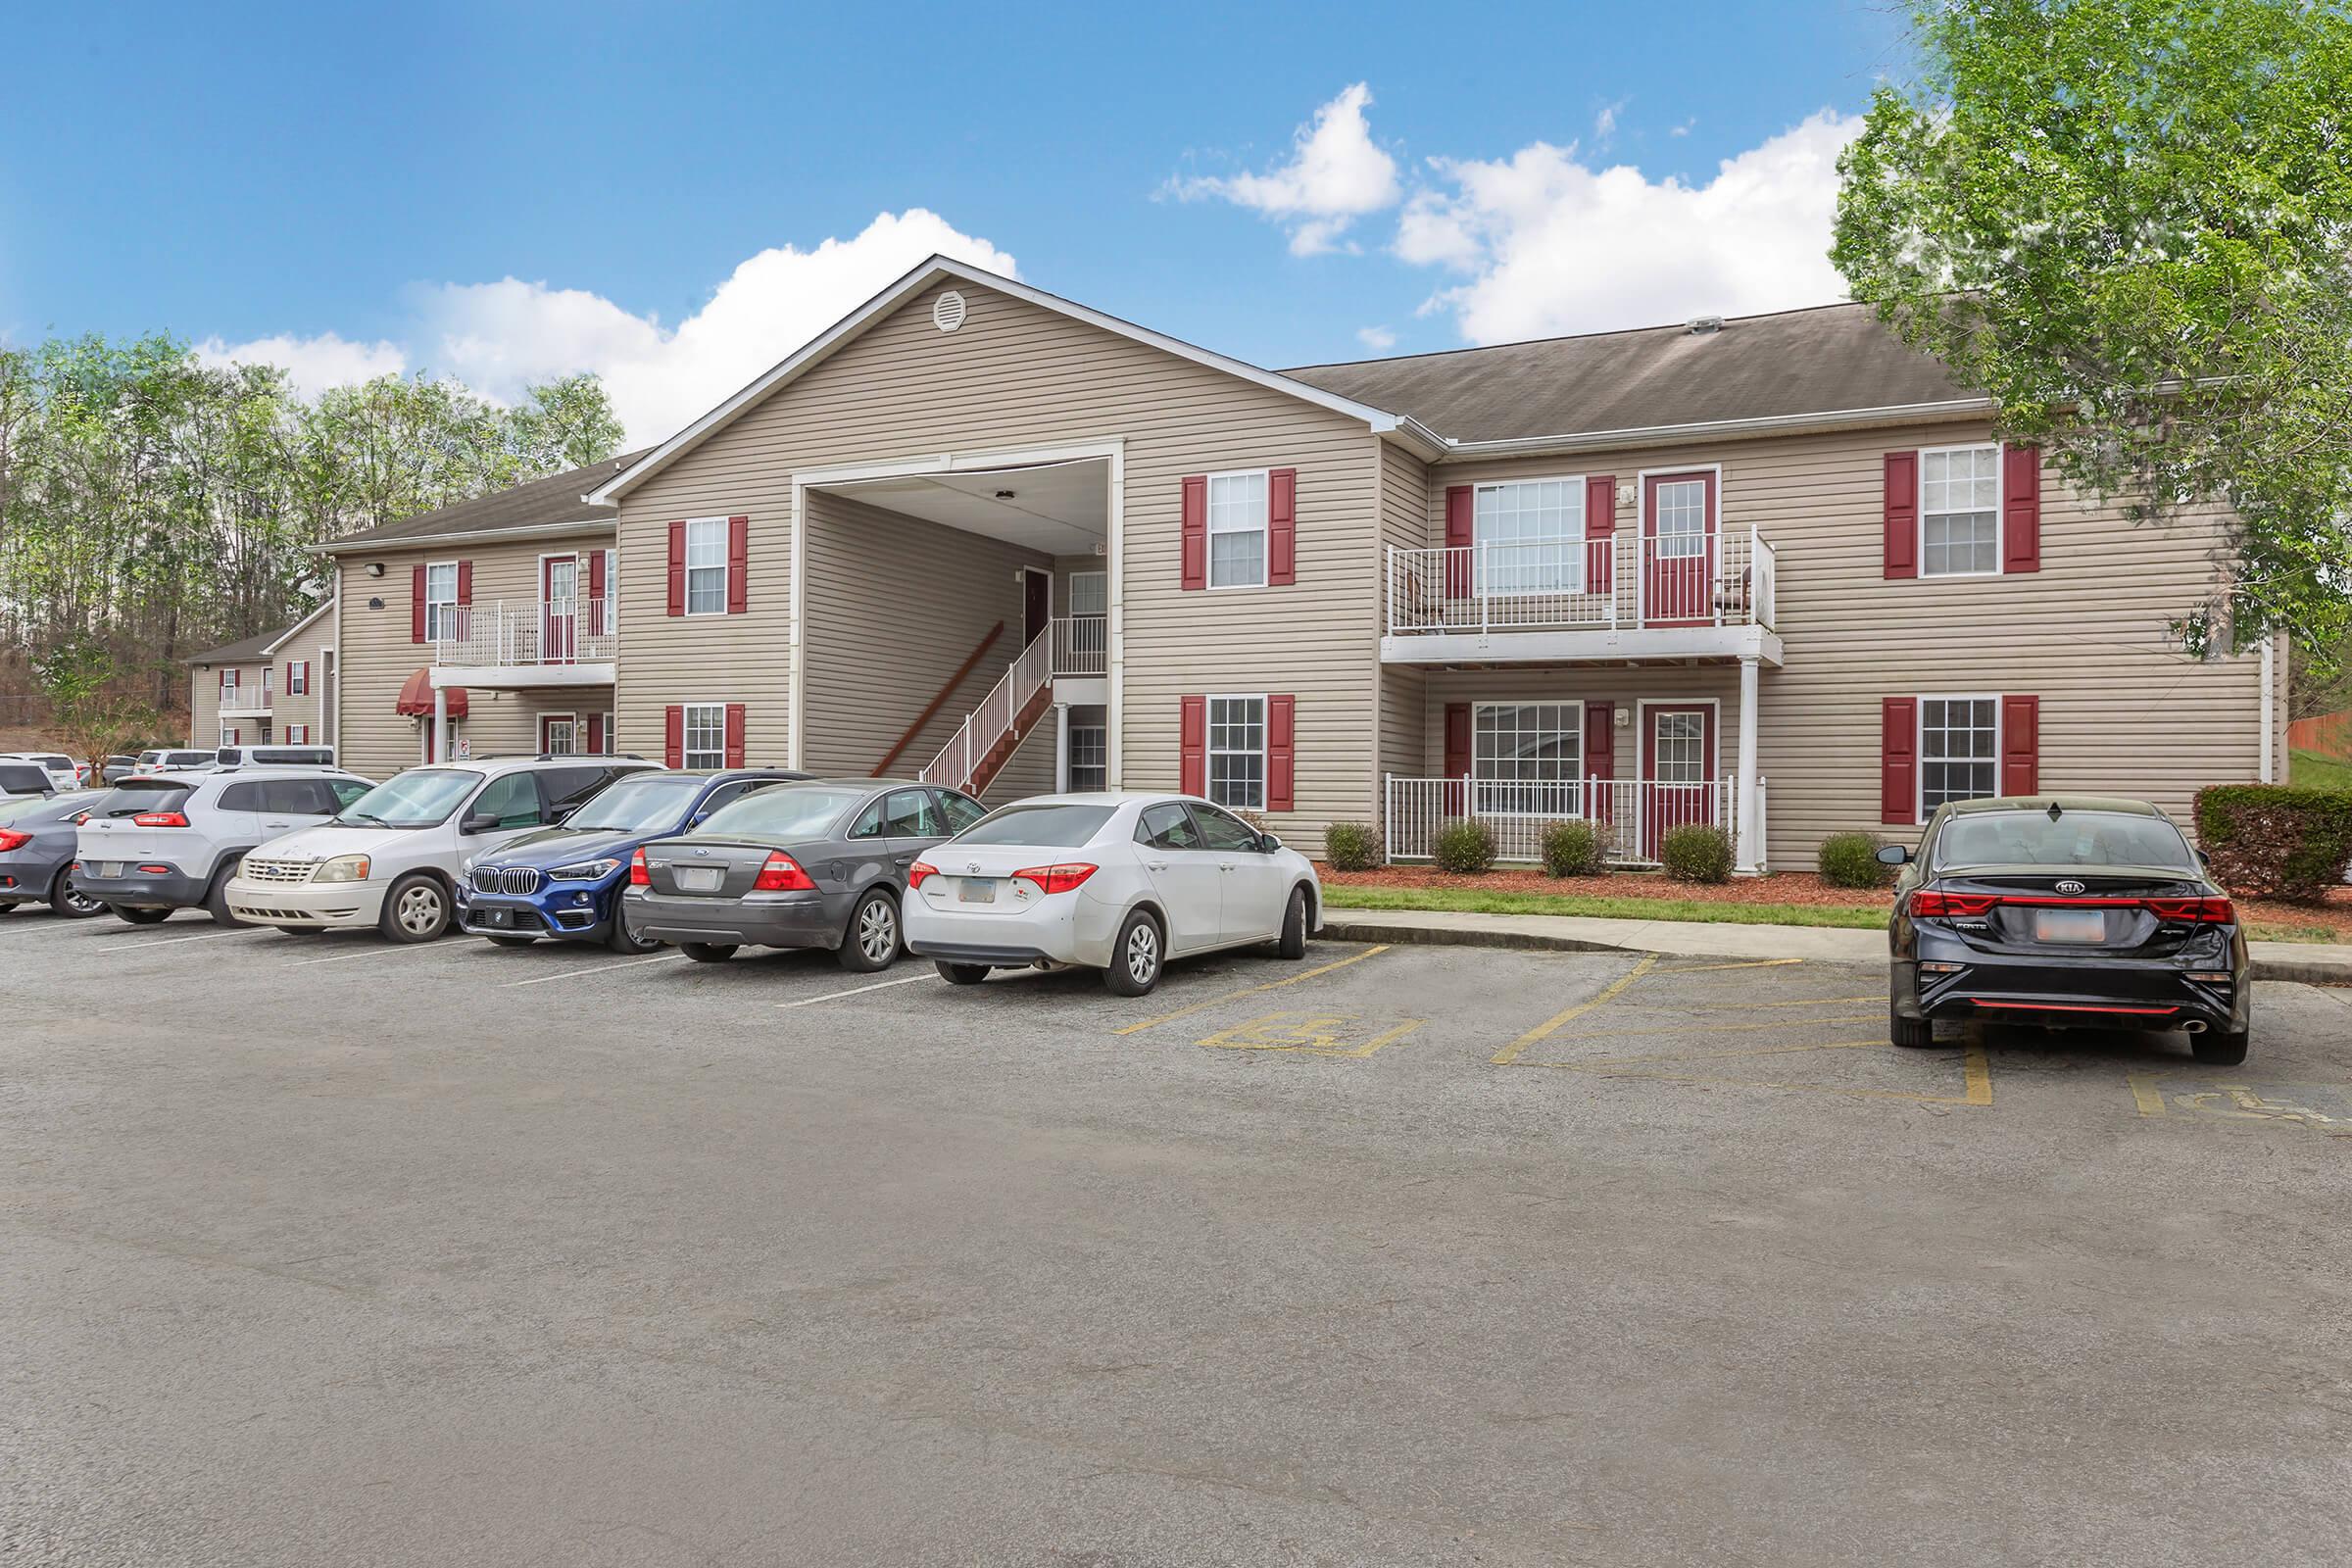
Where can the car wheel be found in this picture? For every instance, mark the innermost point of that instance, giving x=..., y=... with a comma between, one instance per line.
x=123, y=911
x=1291, y=944
x=215, y=898
x=963, y=974
x=68, y=900
x=512, y=942
x=707, y=951
x=2217, y=1050
x=620, y=939
x=1134, y=957
x=1913, y=1034
x=872, y=940
x=416, y=909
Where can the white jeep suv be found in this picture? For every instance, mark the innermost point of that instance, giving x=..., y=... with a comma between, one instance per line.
x=392, y=859
x=159, y=842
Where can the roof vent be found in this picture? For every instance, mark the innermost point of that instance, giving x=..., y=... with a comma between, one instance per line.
x=946, y=311
x=1701, y=325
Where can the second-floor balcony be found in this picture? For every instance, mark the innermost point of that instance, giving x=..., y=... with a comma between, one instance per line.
x=1621, y=597
x=564, y=638
x=245, y=699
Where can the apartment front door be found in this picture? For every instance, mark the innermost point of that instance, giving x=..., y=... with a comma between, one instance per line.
x=558, y=609
x=1678, y=549
x=1037, y=604
x=1678, y=769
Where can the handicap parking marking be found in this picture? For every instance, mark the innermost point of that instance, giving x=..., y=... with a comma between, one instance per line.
x=2322, y=1107
x=1311, y=1034
x=1252, y=991
x=857, y=991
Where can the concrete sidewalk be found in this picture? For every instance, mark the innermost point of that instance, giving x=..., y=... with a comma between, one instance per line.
x=2313, y=963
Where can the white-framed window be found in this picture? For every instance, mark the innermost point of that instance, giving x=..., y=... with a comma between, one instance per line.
x=1532, y=536
x=1237, y=529
x=706, y=730
x=1527, y=759
x=298, y=677
x=1090, y=592
x=1960, y=512
x=559, y=734
x=298, y=734
x=269, y=680
x=1680, y=521
x=228, y=734
x=706, y=566
x=1089, y=749
x=1237, y=752
x=1959, y=750
x=440, y=601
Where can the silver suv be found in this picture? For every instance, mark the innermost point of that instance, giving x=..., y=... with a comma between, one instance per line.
x=159, y=842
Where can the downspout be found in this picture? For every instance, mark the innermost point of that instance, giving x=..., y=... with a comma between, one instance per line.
x=2269, y=682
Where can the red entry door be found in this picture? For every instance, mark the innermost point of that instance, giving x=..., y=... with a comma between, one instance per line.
x=1037, y=606
x=1678, y=769
x=1678, y=549
x=558, y=609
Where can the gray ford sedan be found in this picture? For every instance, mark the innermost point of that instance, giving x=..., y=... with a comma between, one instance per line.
x=36, y=852
x=816, y=865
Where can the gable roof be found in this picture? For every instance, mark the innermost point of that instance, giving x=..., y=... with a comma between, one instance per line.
x=1380, y=420
x=1812, y=365
x=261, y=645
x=537, y=505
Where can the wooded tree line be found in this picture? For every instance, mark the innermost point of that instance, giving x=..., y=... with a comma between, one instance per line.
x=153, y=506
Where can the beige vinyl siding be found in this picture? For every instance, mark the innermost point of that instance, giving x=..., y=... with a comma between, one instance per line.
x=204, y=700
x=2122, y=711
x=376, y=657
x=1017, y=375
x=1402, y=691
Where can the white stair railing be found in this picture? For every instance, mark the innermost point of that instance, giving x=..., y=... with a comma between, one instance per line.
x=990, y=722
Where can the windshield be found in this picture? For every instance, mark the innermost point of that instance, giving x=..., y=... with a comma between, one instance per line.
x=135, y=795
x=789, y=812
x=419, y=797
x=642, y=803
x=1058, y=826
x=2075, y=838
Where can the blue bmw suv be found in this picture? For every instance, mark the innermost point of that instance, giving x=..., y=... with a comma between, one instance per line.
x=564, y=882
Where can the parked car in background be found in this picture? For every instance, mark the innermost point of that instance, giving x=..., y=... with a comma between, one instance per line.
x=63, y=774
x=160, y=842
x=275, y=756
x=173, y=759
x=1115, y=882
x=817, y=864
x=36, y=854
x=22, y=780
x=117, y=768
x=564, y=881
x=2065, y=911
x=391, y=859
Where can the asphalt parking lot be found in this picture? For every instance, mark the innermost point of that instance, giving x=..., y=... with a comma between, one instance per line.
x=327, y=1251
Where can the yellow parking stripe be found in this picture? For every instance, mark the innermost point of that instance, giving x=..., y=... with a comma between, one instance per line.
x=1752, y=964
x=1248, y=991
x=1510, y=1052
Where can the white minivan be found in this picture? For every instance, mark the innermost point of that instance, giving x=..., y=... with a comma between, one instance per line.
x=391, y=859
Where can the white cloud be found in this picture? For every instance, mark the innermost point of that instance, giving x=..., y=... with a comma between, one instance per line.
x=501, y=337
x=1604, y=124
x=1377, y=338
x=1549, y=245
x=1336, y=174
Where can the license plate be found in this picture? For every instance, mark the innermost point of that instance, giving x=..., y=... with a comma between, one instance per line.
x=700, y=878
x=498, y=917
x=109, y=868
x=977, y=889
x=2069, y=925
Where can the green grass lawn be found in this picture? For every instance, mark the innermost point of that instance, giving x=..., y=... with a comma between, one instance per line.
x=1601, y=908
x=2311, y=772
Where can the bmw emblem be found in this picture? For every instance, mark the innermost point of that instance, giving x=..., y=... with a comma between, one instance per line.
x=2070, y=885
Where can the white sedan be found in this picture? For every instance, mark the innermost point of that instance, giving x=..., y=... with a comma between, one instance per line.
x=1119, y=882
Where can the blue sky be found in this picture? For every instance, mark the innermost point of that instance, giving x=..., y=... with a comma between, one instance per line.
x=346, y=189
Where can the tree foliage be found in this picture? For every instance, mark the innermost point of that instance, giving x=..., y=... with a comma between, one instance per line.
x=2127, y=222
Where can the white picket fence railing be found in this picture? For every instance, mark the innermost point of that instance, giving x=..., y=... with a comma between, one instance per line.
x=529, y=631
x=1631, y=814
x=1730, y=579
x=990, y=722
x=1081, y=645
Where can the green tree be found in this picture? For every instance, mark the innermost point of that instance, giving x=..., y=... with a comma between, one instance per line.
x=565, y=424
x=2126, y=221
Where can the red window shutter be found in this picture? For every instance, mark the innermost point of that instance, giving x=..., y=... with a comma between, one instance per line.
x=1460, y=534
x=734, y=734
x=1600, y=528
x=1282, y=527
x=2021, y=745
x=1902, y=517
x=677, y=570
x=674, y=736
x=1601, y=740
x=1195, y=523
x=1192, y=747
x=465, y=582
x=739, y=551
x=1898, y=759
x=2020, y=510
x=289, y=677
x=1457, y=754
x=417, y=605
x=598, y=610
x=1282, y=751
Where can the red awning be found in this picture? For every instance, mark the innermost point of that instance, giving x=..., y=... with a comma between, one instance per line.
x=417, y=698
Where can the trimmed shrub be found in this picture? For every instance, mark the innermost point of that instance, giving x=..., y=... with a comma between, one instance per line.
x=1465, y=848
x=1697, y=852
x=1571, y=848
x=1851, y=860
x=1351, y=847
x=2276, y=841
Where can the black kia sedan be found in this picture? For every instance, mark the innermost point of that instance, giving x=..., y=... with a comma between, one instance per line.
x=2064, y=912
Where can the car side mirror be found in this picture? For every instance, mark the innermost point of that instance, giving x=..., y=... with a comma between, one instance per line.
x=1894, y=854
x=1267, y=843
x=2204, y=860
x=478, y=822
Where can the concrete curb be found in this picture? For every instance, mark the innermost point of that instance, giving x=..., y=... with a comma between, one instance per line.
x=1339, y=928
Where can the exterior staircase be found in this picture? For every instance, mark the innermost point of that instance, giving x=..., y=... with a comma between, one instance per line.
x=992, y=731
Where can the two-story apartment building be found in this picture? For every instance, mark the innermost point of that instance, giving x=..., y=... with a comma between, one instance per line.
x=1772, y=574
x=277, y=686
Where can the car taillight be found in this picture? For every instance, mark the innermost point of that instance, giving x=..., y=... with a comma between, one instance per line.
x=158, y=820
x=13, y=840
x=81, y=818
x=1929, y=904
x=919, y=872
x=639, y=876
x=2196, y=911
x=782, y=874
x=1064, y=878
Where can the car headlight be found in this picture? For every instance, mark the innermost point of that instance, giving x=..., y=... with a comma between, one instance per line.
x=584, y=871
x=342, y=868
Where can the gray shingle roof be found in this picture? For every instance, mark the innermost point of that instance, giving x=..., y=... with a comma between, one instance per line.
x=1824, y=359
x=243, y=651
x=532, y=504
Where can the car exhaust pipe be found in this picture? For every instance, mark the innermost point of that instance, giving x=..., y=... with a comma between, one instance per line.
x=2194, y=1026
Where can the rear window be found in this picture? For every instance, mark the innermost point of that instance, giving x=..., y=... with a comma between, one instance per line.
x=135, y=795
x=2071, y=839
x=1061, y=826
x=34, y=810
x=186, y=759
x=18, y=778
x=789, y=812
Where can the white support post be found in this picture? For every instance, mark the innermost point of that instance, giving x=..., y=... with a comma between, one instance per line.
x=1752, y=842
x=1061, y=747
x=440, y=724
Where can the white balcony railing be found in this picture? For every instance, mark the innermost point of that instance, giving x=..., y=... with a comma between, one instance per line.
x=246, y=699
x=1082, y=644
x=958, y=763
x=1728, y=579
x=1631, y=814
x=555, y=631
